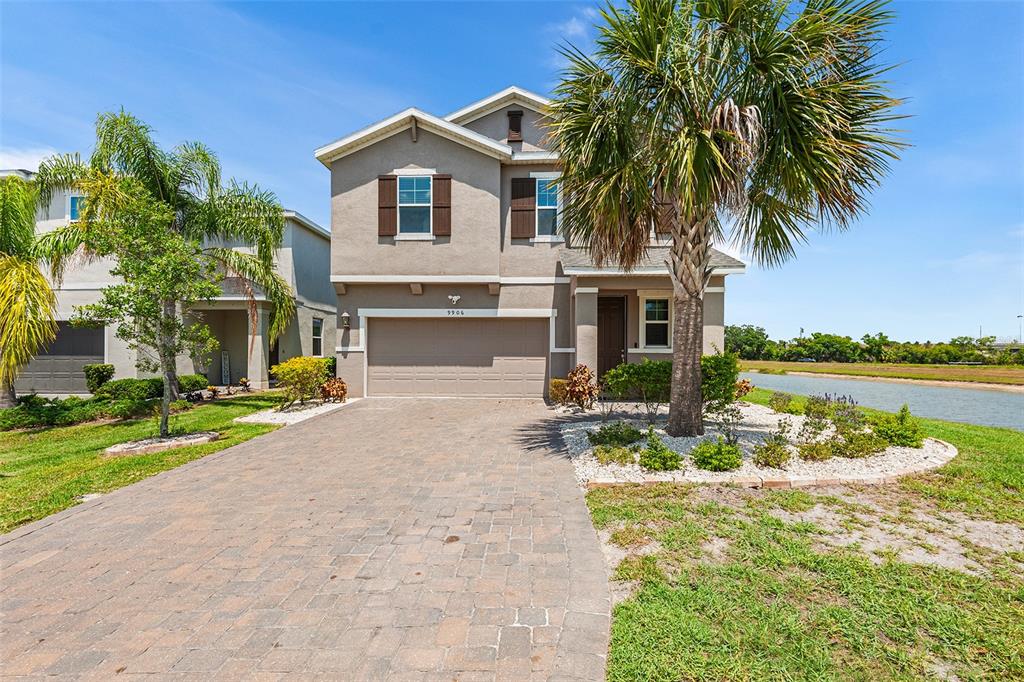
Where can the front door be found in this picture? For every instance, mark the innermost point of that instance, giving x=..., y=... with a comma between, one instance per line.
x=611, y=333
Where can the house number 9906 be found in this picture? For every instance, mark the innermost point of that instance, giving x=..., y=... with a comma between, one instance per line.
x=456, y=312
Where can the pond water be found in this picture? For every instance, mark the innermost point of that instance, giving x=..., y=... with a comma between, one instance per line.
x=969, y=405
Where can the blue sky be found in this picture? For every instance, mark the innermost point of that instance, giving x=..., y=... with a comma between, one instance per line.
x=264, y=84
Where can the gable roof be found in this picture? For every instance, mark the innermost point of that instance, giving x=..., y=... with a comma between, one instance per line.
x=510, y=95
x=305, y=222
x=404, y=120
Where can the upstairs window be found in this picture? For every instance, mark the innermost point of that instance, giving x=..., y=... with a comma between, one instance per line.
x=318, y=337
x=75, y=207
x=656, y=325
x=547, y=208
x=414, y=204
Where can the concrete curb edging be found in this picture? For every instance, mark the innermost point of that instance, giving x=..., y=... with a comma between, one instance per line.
x=783, y=482
x=151, y=445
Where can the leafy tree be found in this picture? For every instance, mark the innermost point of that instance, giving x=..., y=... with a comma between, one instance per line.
x=692, y=115
x=747, y=341
x=154, y=265
x=874, y=346
x=201, y=210
x=27, y=301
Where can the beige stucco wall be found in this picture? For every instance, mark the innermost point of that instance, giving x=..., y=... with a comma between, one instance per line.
x=495, y=126
x=473, y=246
x=523, y=257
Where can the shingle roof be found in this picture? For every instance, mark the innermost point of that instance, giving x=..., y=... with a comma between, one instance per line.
x=653, y=260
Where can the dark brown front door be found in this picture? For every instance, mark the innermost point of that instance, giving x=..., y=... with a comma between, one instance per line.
x=611, y=333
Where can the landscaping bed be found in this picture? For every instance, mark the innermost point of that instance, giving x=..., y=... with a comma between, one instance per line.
x=756, y=424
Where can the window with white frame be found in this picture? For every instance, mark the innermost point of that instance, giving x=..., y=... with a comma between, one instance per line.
x=414, y=204
x=318, y=337
x=656, y=321
x=547, y=207
x=75, y=207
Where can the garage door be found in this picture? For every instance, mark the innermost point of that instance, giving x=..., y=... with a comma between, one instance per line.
x=476, y=357
x=58, y=369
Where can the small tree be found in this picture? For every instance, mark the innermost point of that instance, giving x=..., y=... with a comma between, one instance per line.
x=155, y=265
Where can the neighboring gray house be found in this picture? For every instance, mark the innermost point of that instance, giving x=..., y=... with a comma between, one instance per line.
x=303, y=260
x=452, y=278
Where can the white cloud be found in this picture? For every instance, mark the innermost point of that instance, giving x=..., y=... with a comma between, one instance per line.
x=26, y=158
x=573, y=28
x=979, y=262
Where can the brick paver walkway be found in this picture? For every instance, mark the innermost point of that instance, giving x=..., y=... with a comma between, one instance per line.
x=394, y=539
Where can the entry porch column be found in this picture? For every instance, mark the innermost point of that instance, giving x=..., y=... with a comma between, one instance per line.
x=586, y=327
x=258, y=347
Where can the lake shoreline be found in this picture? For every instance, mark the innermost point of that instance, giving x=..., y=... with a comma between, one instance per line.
x=947, y=383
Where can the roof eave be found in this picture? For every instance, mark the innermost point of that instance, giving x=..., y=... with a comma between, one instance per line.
x=480, y=108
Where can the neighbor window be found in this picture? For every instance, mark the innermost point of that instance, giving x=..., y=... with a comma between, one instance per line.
x=75, y=207
x=318, y=337
x=656, y=323
x=414, y=205
x=547, y=208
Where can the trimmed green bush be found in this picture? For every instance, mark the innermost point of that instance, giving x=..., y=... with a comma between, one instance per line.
x=899, y=429
x=617, y=433
x=716, y=455
x=615, y=454
x=774, y=451
x=719, y=374
x=657, y=456
x=780, y=401
x=331, y=363
x=301, y=378
x=97, y=375
x=132, y=389
x=860, y=444
x=816, y=451
x=34, y=412
x=556, y=391
x=190, y=383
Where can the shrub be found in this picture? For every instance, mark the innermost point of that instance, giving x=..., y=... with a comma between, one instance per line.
x=657, y=456
x=301, y=378
x=780, y=402
x=556, y=391
x=847, y=418
x=774, y=451
x=619, y=433
x=97, y=375
x=334, y=390
x=180, y=406
x=331, y=363
x=132, y=389
x=649, y=381
x=190, y=383
x=615, y=454
x=816, y=420
x=130, y=408
x=580, y=388
x=719, y=374
x=743, y=387
x=728, y=418
x=860, y=444
x=899, y=429
x=716, y=455
x=815, y=451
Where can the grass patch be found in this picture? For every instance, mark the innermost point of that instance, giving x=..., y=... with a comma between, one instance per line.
x=989, y=374
x=43, y=471
x=777, y=603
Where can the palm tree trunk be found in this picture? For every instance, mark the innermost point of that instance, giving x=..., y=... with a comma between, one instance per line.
x=685, y=404
x=8, y=398
x=690, y=270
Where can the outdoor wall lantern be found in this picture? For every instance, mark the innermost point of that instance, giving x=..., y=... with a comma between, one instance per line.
x=345, y=323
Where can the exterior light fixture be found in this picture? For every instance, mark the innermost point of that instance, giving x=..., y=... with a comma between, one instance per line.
x=345, y=321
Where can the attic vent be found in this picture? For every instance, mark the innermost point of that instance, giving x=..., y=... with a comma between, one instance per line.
x=515, y=126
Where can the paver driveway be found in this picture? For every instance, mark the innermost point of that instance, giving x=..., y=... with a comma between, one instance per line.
x=398, y=539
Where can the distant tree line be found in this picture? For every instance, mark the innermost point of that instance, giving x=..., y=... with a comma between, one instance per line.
x=752, y=343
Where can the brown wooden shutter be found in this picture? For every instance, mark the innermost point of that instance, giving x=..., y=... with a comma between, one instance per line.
x=442, y=196
x=387, y=206
x=524, y=208
x=515, y=126
x=666, y=212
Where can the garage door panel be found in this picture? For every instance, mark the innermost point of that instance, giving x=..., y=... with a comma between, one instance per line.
x=58, y=369
x=464, y=357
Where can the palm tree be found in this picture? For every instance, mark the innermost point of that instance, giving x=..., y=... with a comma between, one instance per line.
x=187, y=179
x=697, y=115
x=27, y=302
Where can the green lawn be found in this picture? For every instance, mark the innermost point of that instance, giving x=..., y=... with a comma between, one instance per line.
x=43, y=471
x=911, y=581
x=1012, y=375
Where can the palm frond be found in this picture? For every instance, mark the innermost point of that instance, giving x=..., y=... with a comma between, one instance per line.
x=240, y=214
x=27, y=306
x=125, y=147
x=251, y=271
x=60, y=173
x=17, y=216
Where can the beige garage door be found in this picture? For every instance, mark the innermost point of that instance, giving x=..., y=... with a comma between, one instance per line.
x=484, y=357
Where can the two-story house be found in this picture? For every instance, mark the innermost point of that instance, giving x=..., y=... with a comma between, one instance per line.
x=303, y=260
x=452, y=276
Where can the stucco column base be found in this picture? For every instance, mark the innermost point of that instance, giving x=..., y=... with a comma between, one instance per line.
x=586, y=329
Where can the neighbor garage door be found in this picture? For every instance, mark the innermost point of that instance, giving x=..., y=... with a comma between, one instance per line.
x=58, y=369
x=482, y=357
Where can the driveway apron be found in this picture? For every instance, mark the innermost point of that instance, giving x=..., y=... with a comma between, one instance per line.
x=393, y=539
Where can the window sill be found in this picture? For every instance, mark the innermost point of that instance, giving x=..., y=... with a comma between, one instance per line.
x=649, y=350
x=414, y=237
x=547, y=239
